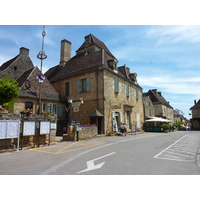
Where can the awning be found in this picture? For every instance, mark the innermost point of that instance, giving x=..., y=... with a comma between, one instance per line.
x=96, y=113
x=157, y=120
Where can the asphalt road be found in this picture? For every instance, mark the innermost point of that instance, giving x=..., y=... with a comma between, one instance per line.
x=143, y=154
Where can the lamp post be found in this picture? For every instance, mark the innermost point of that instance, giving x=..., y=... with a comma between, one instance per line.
x=41, y=55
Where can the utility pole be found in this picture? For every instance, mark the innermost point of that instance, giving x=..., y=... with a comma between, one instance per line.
x=41, y=55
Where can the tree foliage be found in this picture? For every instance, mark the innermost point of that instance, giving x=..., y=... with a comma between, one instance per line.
x=8, y=90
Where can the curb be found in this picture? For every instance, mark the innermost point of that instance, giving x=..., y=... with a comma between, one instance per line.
x=198, y=159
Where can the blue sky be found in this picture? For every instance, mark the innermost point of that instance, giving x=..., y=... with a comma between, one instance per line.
x=164, y=57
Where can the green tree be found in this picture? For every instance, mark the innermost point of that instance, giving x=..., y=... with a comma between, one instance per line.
x=8, y=90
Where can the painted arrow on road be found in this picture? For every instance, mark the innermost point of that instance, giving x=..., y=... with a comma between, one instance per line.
x=92, y=166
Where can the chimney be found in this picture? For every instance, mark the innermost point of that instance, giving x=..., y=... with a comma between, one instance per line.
x=24, y=51
x=160, y=93
x=65, y=52
x=195, y=102
x=154, y=90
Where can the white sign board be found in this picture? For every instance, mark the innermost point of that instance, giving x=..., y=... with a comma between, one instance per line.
x=3, y=125
x=133, y=129
x=13, y=129
x=53, y=126
x=29, y=128
x=45, y=128
x=9, y=129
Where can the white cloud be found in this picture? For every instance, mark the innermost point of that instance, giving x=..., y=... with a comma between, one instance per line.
x=171, y=84
x=174, y=34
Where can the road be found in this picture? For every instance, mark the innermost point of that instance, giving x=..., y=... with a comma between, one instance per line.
x=172, y=153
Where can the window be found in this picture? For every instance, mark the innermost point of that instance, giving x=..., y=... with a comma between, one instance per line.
x=83, y=85
x=116, y=84
x=28, y=105
x=127, y=89
x=67, y=88
x=51, y=108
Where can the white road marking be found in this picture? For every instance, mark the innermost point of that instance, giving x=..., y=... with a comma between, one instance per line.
x=92, y=166
x=170, y=146
x=178, y=151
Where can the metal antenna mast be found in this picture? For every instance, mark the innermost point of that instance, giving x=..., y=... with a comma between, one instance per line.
x=41, y=55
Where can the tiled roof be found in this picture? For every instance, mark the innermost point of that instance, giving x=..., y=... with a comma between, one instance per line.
x=96, y=41
x=157, y=98
x=76, y=64
x=7, y=64
x=196, y=106
x=31, y=86
x=84, y=61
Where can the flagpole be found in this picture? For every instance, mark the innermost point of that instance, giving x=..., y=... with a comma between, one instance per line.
x=41, y=55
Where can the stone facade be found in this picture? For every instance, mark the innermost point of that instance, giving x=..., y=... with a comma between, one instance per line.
x=149, y=109
x=93, y=76
x=16, y=67
x=125, y=108
x=162, y=107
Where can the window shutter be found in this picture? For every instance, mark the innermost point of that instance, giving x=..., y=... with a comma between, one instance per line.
x=88, y=84
x=116, y=84
x=60, y=110
x=78, y=86
x=137, y=94
x=127, y=90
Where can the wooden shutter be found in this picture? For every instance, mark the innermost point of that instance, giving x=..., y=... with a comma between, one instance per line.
x=88, y=84
x=127, y=90
x=116, y=84
x=78, y=86
x=60, y=110
x=137, y=93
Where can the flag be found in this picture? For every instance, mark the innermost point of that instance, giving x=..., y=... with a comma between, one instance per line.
x=41, y=78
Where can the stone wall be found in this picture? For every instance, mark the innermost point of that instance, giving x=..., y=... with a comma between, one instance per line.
x=84, y=133
x=29, y=141
x=195, y=113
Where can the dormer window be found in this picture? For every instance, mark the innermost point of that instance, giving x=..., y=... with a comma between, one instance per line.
x=88, y=39
x=133, y=77
x=112, y=64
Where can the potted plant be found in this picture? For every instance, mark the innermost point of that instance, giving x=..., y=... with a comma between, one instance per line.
x=28, y=111
x=3, y=109
x=111, y=133
x=166, y=128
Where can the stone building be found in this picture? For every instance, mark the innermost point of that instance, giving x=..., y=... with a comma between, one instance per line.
x=195, y=121
x=95, y=89
x=21, y=69
x=162, y=108
x=149, y=109
x=178, y=117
